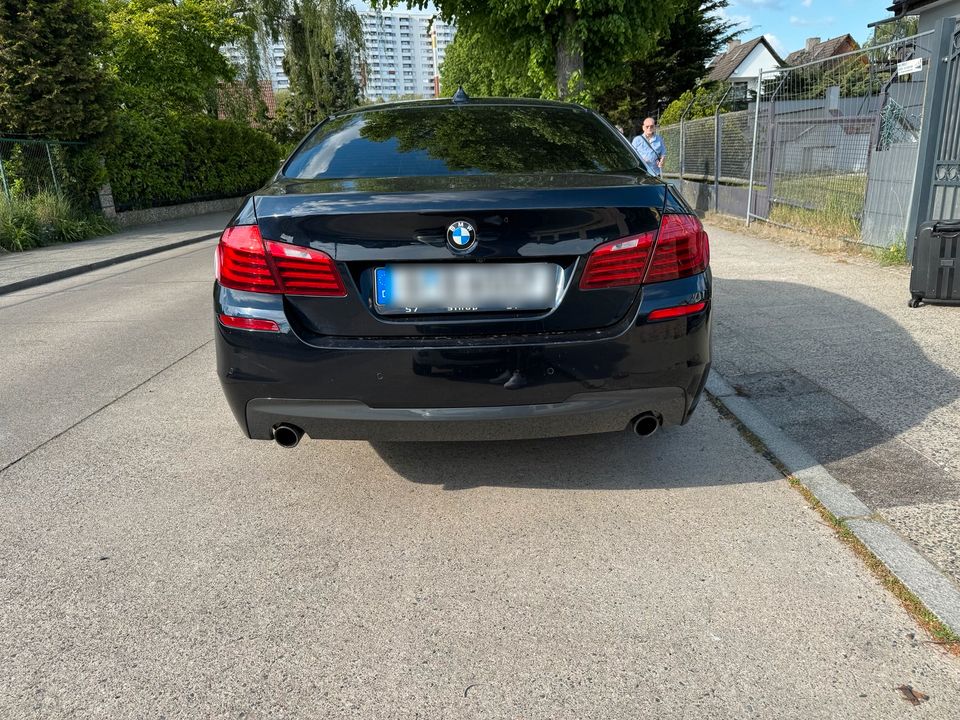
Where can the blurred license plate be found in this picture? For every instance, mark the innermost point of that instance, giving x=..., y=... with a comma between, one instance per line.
x=467, y=288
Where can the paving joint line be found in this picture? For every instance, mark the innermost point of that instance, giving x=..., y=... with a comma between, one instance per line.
x=936, y=591
x=102, y=407
x=99, y=264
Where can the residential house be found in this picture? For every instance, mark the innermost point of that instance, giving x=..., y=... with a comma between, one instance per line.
x=741, y=63
x=816, y=50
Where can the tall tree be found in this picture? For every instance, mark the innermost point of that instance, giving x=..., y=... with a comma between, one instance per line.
x=51, y=83
x=166, y=55
x=567, y=44
x=695, y=35
x=323, y=37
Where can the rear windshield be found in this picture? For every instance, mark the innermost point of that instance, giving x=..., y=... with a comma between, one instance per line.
x=460, y=140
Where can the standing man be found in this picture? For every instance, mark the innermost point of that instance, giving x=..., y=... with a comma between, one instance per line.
x=650, y=147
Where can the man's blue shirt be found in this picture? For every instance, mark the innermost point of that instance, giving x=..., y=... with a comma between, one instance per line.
x=648, y=155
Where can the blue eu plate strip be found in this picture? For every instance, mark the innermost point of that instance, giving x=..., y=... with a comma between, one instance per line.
x=383, y=287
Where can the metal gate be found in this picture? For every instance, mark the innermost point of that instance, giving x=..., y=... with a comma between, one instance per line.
x=936, y=193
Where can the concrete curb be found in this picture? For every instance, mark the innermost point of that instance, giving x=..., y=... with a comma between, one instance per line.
x=98, y=264
x=922, y=578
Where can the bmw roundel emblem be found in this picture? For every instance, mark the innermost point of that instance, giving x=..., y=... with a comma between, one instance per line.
x=461, y=237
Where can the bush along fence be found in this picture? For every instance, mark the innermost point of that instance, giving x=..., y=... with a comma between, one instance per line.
x=54, y=191
x=828, y=147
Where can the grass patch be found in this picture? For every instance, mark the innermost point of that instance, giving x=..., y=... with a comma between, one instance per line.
x=896, y=254
x=830, y=205
x=940, y=634
x=45, y=219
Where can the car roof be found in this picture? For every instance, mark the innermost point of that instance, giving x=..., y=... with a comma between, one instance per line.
x=470, y=102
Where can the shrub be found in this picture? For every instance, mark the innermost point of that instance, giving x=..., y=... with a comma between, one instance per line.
x=154, y=161
x=44, y=219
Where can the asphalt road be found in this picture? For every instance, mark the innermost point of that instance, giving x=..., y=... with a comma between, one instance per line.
x=155, y=563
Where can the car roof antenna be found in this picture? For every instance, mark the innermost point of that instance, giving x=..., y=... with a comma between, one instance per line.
x=460, y=95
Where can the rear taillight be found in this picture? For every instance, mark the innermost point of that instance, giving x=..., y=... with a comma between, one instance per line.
x=682, y=250
x=617, y=263
x=242, y=262
x=303, y=271
x=246, y=262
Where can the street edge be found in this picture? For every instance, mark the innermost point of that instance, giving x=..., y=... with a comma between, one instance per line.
x=99, y=264
x=931, y=587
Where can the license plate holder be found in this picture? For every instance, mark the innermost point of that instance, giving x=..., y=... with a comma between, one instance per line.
x=405, y=289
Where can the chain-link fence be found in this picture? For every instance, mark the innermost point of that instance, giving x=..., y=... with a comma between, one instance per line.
x=831, y=148
x=28, y=167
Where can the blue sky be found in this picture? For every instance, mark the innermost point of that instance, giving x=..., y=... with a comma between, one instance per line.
x=788, y=23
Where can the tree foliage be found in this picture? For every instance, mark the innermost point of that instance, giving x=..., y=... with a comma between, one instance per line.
x=695, y=35
x=51, y=84
x=693, y=104
x=166, y=55
x=566, y=45
x=322, y=37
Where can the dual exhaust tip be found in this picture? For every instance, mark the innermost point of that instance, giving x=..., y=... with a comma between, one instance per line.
x=288, y=436
x=645, y=424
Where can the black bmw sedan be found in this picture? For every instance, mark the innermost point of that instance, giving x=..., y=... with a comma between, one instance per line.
x=462, y=270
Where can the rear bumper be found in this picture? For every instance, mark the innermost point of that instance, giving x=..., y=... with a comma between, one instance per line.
x=581, y=414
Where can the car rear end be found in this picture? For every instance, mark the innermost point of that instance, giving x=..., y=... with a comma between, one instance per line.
x=403, y=279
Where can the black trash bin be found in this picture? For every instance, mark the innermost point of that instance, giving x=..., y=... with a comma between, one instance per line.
x=936, y=256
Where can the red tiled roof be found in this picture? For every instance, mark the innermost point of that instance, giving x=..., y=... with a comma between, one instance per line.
x=725, y=65
x=821, y=51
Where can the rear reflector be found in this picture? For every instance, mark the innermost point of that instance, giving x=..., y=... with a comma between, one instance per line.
x=675, y=312
x=617, y=263
x=246, y=262
x=682, y=250
x=244, y=323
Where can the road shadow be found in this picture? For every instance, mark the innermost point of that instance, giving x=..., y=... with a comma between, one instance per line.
x=843, y=380
x=839, y=377
x=675, y=457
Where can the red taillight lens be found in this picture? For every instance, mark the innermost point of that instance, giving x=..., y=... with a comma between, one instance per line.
x=303, y=271
x=682, y=249
x=246, y=262
x=616, y=263
x=242, y=263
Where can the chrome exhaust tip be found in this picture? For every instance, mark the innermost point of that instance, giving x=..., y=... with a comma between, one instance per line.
x=645, y=424
x=286, y=435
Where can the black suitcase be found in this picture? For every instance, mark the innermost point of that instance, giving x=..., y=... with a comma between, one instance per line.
x=936, y=262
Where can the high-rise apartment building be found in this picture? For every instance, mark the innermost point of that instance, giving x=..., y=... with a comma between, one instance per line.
x=404, y=52
x=272, y=63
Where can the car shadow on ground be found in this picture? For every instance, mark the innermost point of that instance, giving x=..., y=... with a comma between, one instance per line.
x=674, y=457
x=844, y=381
x=796, y=352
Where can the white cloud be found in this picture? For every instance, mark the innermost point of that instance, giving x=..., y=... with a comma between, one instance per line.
x=804, y=22
x=806, y=3
x=776, y=43
x=770, y=4
x=740, y=22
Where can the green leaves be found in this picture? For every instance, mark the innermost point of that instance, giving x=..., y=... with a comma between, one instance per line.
x=51, y=84
x=166, y=56
x=175, y=158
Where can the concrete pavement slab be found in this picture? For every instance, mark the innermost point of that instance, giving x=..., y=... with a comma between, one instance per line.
x=160, y=563
x=870, y=387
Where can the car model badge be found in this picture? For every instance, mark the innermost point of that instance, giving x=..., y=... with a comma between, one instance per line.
x=461, y=237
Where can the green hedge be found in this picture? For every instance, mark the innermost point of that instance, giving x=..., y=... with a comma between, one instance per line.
x=154, y=161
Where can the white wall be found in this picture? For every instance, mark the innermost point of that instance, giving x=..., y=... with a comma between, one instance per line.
x=758, y=59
